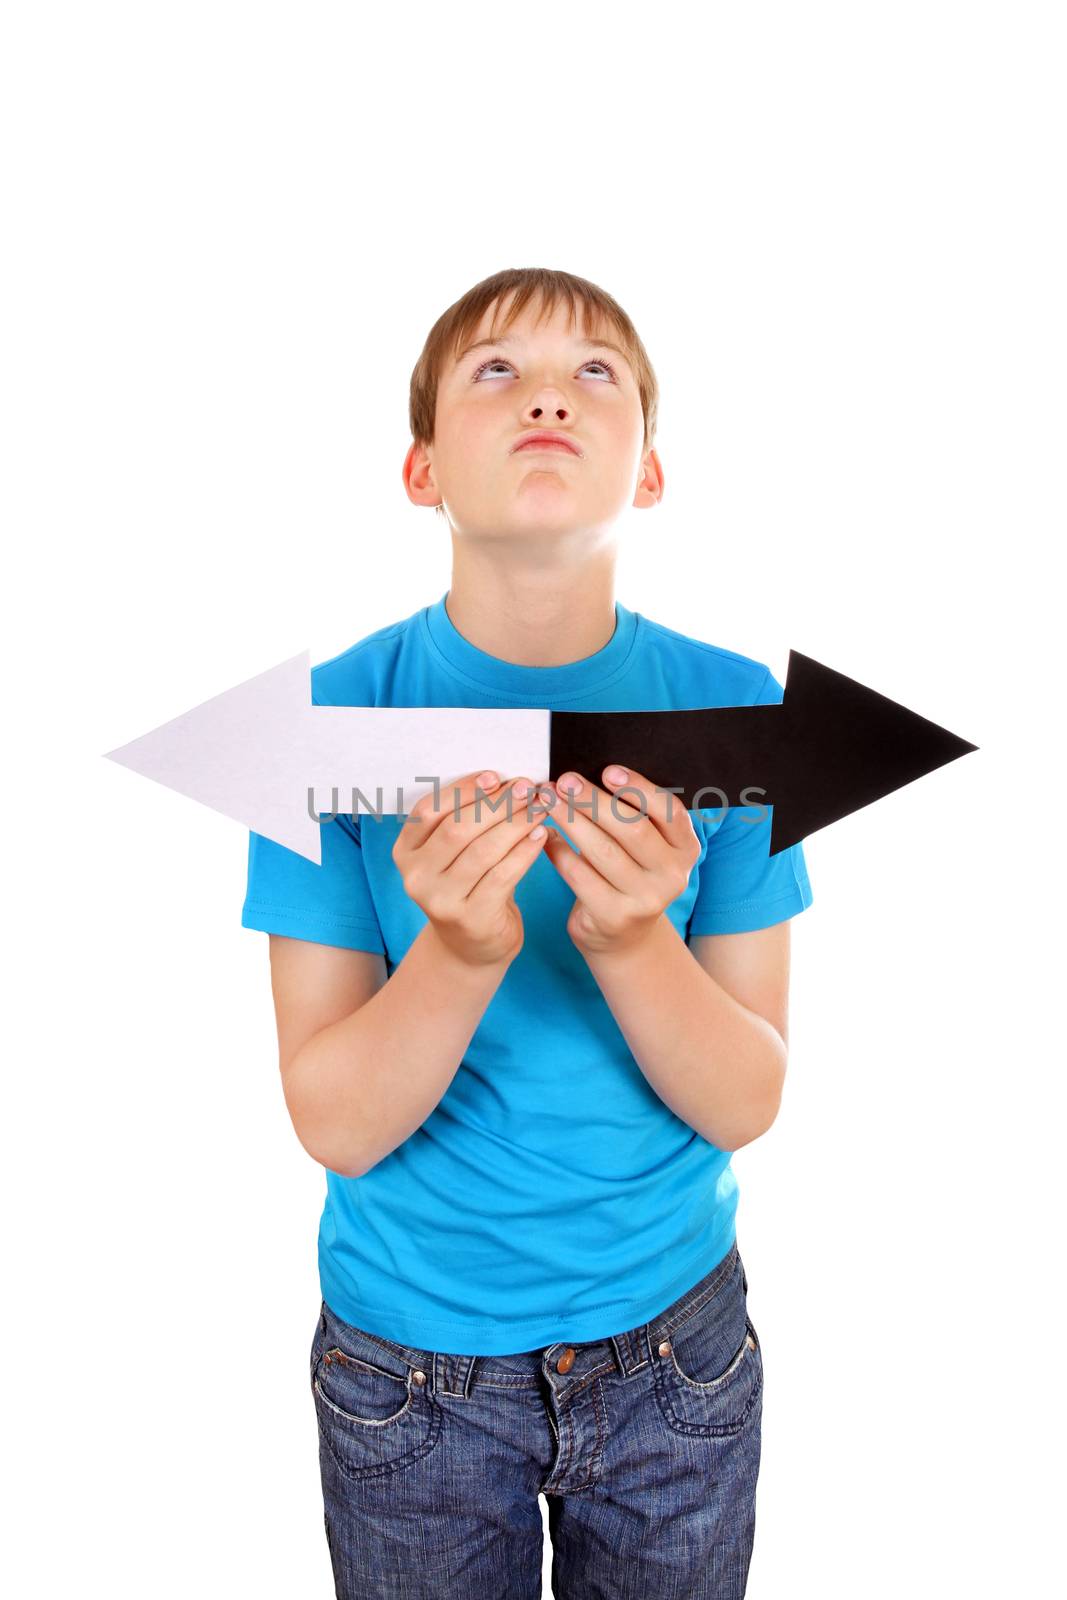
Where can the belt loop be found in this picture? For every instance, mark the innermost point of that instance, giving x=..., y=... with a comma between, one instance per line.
x=631, y=1349
x=453, y=1374
x=617, y=1342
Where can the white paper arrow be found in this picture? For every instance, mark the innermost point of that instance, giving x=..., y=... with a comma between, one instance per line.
x=255, y=751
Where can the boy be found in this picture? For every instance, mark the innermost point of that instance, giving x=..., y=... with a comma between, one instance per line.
x=524, y=1055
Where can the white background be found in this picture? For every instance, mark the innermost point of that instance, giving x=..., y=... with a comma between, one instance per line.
x=840, y=232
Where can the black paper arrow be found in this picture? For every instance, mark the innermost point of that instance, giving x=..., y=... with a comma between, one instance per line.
x=832, y=747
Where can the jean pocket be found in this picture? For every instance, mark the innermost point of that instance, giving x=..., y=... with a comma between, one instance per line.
x=317, y=1342
x=709, y=1369
x=374, y=1413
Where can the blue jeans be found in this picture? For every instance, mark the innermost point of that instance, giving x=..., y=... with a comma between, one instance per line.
x=646, y=1445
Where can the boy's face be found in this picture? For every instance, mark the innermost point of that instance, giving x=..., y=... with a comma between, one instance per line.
x=536, y=378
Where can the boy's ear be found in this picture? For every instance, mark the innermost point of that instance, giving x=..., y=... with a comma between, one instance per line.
x=649, y=491
x=417, y=473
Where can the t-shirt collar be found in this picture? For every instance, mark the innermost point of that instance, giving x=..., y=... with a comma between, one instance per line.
x=535, y=685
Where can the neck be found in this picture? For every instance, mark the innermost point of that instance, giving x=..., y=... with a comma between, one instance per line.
x=530, y=617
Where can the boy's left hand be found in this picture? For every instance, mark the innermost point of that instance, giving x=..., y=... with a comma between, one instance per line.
x=638, y=848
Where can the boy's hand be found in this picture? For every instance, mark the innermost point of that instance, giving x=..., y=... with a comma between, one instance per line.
x=463, y=873
x=637, y=851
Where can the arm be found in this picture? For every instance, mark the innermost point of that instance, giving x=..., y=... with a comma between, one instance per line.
x=363, y=1060
x=708, y=1025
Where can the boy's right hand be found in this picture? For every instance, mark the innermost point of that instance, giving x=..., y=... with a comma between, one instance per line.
x=462, y=873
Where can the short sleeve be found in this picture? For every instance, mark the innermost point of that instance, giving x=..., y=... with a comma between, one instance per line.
x=743, y=887
x=328, y=904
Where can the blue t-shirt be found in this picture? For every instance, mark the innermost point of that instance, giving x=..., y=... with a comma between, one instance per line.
x=551, y=1194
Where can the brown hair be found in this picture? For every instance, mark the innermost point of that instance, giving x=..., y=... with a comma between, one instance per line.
x=453, y=327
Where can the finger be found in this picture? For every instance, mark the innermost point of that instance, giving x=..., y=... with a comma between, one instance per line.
x=617, y=838
x=445, y=800
x=503, y=875
x=663, y=805
x=482, y=846
x=600, y=898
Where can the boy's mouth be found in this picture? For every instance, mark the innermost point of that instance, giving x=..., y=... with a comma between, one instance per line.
x=546, y=441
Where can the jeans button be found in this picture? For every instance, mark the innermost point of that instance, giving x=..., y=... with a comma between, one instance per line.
x=566, y=1360
x=665, y=1348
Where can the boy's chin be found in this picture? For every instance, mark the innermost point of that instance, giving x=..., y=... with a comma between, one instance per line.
x=548, y=513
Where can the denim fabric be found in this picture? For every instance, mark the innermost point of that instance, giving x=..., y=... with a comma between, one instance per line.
x=646, y=1444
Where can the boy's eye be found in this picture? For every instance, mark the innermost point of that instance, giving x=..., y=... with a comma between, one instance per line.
x=499, y=361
